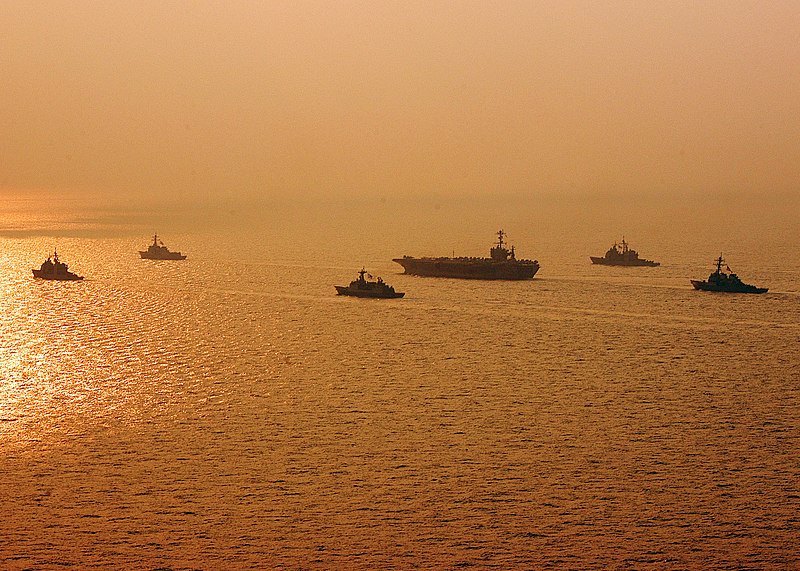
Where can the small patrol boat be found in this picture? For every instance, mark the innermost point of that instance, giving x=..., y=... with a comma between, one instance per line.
x=54, y=269
x=362, y=287
x=622, y=255
x=725, y=282
x=158, y=251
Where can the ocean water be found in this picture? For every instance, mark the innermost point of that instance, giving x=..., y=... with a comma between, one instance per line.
x=232, y=412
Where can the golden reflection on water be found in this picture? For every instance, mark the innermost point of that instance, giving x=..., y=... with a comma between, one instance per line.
x=230, y=412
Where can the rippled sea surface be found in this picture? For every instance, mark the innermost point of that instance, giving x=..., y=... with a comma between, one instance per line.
x=231, y=412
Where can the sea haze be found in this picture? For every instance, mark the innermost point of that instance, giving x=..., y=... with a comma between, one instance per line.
x=231, y=412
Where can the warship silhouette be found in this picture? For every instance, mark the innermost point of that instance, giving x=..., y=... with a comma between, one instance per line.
x=158, y=251
x=54, y=269
x=726, y=282
x=501, y=265
x=622, y=255
x=361, y=287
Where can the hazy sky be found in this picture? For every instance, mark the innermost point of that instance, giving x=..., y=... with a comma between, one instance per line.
x=379, y=97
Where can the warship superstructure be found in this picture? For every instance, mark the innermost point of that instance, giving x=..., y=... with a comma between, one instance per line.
x=727, y=282
x=622, y=255
x=501, y=265
x=158, y=251
x=54, y=269
x=362, y=287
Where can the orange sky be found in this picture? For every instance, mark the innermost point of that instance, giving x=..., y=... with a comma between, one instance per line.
x=379, y=97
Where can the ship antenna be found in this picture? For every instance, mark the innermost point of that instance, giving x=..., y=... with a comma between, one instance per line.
x=500, y=238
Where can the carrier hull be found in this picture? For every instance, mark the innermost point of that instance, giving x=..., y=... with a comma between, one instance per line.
x=469, y=269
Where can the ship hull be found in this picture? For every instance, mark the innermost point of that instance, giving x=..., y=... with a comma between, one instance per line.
x=170, y=256
x=68, y=277
x=344, y=290
x=744, y=288
x=606, y=262
x=468, y=269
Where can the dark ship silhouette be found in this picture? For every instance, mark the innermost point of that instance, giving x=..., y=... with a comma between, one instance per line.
x=158, y=251
x=362, y=287
x=54, y=269
x=502, y=265
x=726, y=282
x=622, y=255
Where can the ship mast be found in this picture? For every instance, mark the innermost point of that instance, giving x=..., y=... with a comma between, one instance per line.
x=500, y=238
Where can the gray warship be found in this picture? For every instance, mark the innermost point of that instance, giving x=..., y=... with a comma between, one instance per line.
x=725, y=282
x=158, y=251
x=622, y=255
x=501, y=265
x=54, y=269
x=362, y=287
